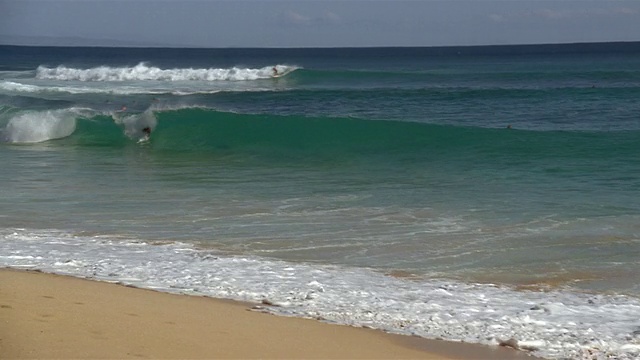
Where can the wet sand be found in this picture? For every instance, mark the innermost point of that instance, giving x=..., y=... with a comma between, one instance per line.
x=52, y=316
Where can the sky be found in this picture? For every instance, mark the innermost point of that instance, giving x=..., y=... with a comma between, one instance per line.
x=313, y=23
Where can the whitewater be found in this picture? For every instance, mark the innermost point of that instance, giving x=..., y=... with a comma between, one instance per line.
x=542, y=322
x=143, y=71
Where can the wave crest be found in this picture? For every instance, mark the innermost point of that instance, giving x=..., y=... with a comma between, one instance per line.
x=39, y=126
x=142, y=71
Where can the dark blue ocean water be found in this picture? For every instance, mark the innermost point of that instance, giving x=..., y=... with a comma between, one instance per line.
x=514, y=166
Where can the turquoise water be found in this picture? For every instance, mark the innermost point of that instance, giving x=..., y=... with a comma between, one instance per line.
x=396, y=160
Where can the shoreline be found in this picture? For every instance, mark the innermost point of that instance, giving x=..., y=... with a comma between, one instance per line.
x=58, y=316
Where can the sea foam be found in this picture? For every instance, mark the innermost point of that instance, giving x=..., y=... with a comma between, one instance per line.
x=16, y=87
x=143, y=71
x=39, y=126
x=554, y=324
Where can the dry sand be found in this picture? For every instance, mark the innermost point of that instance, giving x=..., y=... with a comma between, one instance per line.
x=51, y=316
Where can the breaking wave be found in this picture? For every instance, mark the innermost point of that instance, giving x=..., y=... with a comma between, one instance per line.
x=39, y=126
x=204, y=130
x=143, y=71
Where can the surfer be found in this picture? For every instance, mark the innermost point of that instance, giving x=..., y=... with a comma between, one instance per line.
x=146, y=131
x=275, y=71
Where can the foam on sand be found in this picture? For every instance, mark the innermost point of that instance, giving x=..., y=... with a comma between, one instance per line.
x=553, y=324
x=48, y=316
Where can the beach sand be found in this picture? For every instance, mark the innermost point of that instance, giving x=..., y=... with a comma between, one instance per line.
x=52, y=316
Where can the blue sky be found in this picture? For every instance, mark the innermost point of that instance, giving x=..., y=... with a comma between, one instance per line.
x=266, y=23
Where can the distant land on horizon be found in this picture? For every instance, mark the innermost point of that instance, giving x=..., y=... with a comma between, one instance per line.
x=577, y=47
x=76, y=41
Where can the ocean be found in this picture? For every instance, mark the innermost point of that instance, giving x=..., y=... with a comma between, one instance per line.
x=476, y=194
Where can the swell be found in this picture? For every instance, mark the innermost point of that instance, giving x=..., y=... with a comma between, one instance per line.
x=268, y=136
x=451, y=76
x=561, y=76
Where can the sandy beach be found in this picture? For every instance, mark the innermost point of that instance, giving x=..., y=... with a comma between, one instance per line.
x=52, y=316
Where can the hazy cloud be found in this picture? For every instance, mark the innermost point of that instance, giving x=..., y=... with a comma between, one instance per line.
x=497, y=17
x=292, y=17
x=566, y=14
x=331, y=17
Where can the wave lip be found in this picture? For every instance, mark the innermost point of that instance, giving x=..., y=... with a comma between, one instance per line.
x=40, y=126
x=145, y=72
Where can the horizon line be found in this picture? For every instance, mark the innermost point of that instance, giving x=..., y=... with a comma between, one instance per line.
x=577, y=43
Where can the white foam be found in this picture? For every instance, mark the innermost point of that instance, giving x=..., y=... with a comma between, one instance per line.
x=18, y=87
x=556, y=324
x=134, y=123
x=11, y=86
x=99, y=88
x=38, y=126
x=143, y=71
